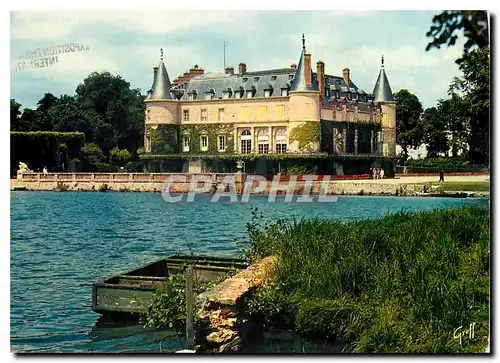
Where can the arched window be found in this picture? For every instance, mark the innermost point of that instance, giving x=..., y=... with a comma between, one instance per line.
x=280, y=140
x=263, y=141
x=246, y=142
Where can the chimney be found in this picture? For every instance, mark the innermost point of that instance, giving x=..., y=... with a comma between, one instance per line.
x=307, y=68
x=197, y=70
x=320, y=75
x=230, y=70
x=155, y=71
x=347, y=76
x=242, y=68
x=293, y=65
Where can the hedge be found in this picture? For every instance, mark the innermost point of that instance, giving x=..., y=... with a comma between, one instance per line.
x=39, y=149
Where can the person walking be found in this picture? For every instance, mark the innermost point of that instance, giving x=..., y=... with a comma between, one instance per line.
x=441, y=176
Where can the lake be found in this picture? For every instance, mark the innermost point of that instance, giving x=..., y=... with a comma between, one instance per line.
x=62, y=242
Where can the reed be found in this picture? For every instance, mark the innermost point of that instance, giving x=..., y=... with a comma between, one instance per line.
x=403, y=283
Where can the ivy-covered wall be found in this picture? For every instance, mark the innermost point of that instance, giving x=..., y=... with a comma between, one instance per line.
x=364, y=135
x=165, y=139
x=212, y=131
x=307, y=135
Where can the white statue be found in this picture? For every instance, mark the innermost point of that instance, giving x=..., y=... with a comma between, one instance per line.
x=23, y=167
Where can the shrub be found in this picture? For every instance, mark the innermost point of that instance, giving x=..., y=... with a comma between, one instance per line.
x=103, y=188
x=119, y=157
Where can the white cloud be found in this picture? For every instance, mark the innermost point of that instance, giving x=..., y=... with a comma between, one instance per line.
x=60, y=24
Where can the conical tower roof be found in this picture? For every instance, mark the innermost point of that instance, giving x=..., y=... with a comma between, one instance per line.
x=161, y=83
x=299, y=80
x=382, y=90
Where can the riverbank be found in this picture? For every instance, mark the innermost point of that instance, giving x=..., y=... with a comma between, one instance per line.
x=455, y=186
x=406, y=283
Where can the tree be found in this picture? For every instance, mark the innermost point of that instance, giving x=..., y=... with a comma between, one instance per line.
x=434, y=131
x=447, y=24
x=118, y=111
x=68, y=115
x=15, y=116
x=119, y=157
x=454, y=112
x=475, y=88
x=409, y=132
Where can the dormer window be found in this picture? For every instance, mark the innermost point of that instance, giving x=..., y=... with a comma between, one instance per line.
x=249, y=94
x=245, y=79
x=256, y=79
x=237, y=94
x=208, y=96
x=192, y=95
x=267, y=93
x=284, y=92
x=290, y=77
x=273, y=78
x=225, y=95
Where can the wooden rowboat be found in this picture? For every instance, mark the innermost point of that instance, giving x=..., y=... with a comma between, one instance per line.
x=132, y=292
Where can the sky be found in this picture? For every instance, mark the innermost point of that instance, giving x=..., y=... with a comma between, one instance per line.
x=128, y=44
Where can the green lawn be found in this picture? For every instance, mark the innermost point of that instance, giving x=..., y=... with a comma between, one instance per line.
x=478, y=186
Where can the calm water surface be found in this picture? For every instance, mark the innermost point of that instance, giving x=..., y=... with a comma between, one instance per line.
x=62, y=242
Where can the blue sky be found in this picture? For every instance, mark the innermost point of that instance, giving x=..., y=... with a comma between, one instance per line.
x=128, y=43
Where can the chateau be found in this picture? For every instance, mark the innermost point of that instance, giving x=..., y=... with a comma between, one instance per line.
x=291, y=110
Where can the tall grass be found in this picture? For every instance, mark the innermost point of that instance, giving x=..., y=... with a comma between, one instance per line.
x=403, y=283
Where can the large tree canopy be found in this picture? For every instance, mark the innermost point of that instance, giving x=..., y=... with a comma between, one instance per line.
x=105, y=109
x=448, y=25
x=409, y=131
x=475, y=88
x=118, y=110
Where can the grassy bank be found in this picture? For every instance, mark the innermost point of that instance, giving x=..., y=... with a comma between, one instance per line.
x=476, y=186
x=409, y=282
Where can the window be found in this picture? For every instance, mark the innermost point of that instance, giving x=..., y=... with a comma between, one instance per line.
x=267, y=93
x=246, y=142
x=191, y=97
x=256, y=79
x=280, y=141
x=245, y=113
x=185, y=115
x=263, y=148
x=284, y=92
x=222, y=143
x=386, y=150
x=245, y=79
x=280, y=112
x=338, y=141
x=290, y=77
x=263, y=141
x=186, y=141
x=221, y=114
x=203, y=142
x=273, y=78
x=204, y=114
x=249, y=94
x=225, y=95
x=280, y=148
x=237, y=95
x=208, y=96
x=349, y=96
x=262, y=115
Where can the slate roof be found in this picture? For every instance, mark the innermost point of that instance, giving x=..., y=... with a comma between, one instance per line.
x=275, y=80
x=299, y=80
x=161, y=84
x=382, y=89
